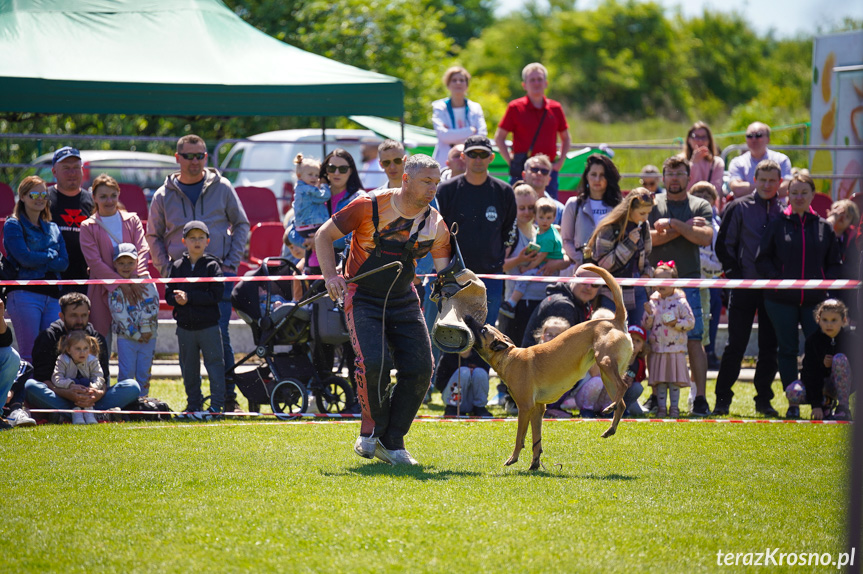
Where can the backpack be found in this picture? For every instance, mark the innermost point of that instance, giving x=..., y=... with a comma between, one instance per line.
x=151, y=405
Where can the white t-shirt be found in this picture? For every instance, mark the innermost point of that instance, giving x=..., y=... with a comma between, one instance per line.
x=460, y=115
x=599, y=210
x=114, y=224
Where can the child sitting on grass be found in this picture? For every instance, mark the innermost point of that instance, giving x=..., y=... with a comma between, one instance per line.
x=134, y=323
x=550, y=248
x=196, y=310
x=827, y=366
x=464, y=388
x=78, y=364
x=667, y=317
x=551, y=328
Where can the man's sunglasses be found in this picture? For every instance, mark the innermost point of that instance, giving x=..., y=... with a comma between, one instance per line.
x=755, y=135
x=541, y=170
x=477, y=154
x=191, y=156
x=340, y=168
x=395, y=161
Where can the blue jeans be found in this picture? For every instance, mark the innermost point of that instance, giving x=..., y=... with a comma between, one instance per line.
x=785, y=319
x=9, y=363
x=224, y=324
x=430, y=315
x=494, y=297
x=693, y=297
x=474, y=388
x=634, y=315
x=31, y=313
x=193, y=344
x=135, y=360
x=120, y=395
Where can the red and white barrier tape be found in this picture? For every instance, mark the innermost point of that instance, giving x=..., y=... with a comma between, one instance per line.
x=630, y=282
x=432, y=418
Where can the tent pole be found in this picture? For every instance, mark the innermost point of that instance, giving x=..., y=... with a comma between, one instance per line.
x=323, y=136
x=402, y=121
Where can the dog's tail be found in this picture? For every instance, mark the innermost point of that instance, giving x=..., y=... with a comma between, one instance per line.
x=616, y=294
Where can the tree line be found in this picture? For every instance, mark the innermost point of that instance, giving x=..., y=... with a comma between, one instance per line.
x=619, y=61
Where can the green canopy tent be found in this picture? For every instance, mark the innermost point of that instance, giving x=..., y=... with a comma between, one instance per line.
x=170, y=57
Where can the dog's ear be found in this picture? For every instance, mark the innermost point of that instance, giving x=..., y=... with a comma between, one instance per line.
x=501, y=344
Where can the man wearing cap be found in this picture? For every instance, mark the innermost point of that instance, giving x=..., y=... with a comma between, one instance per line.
x=43, y=394
x=742, y=169
x=197, y=192
x=535, y=123
x=484, y=209
x=382, y=310
x=70, y=206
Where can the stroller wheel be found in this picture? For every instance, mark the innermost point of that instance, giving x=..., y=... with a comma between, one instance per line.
x=289, y=397
x=334, y=396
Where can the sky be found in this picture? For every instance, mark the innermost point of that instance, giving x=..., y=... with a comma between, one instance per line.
x=786, y=18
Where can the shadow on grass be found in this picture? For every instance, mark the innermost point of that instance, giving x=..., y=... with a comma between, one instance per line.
x=555, y=472
x=419, y=472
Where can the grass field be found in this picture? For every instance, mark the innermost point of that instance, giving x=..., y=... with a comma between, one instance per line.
x=266, y=496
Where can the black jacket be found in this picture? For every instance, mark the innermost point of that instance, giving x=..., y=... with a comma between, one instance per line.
x=486, y=220
x=45, y=350
x=744, y=222
x=202, y=309
x=559, y=302
x=818, y=346
x=798, y=248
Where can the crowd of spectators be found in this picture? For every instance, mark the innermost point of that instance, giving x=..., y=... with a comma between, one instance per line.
x=691, y=218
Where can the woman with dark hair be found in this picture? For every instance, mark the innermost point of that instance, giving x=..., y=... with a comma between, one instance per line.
x=797, y=245
x=703, y=155
x=598, y=193
x=35, y=246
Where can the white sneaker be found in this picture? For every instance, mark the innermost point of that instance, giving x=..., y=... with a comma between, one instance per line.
x=569, y=404
x=365, y=446
x=20, y=417
x=90, y=418
x=394, y=457
x=78, y=418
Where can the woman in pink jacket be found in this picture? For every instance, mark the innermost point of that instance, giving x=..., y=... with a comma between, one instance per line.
x=703, y=155
x=100, y=234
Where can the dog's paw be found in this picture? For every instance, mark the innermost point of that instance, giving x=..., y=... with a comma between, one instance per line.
x=535, y=464
x=609, y=432
x=511, y=461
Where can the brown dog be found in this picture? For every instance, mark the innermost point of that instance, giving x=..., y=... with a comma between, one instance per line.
x=539, y=375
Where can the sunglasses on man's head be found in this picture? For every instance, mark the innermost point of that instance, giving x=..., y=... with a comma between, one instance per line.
x=340, y=168
x=191, y=156
x=38, y=195
x=477, y=154
x=541, y=170
x=755, y=135
x=386, y=162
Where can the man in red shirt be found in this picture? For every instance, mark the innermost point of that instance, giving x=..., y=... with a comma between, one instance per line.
x=535, y=123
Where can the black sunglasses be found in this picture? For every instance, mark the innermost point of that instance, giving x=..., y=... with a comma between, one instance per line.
x=541, y=170
x=386, y=162
x=754, y=135
x=477, y=154
x=340, y=168
x=191, y=156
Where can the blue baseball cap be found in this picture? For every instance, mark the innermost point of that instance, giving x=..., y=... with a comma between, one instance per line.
x=63, y=153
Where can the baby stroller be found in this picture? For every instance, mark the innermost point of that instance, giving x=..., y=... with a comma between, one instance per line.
x=284, y=378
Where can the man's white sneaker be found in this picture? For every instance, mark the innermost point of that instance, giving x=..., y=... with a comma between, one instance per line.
x=394, y=457
x=21, y=418
x=365, y=446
